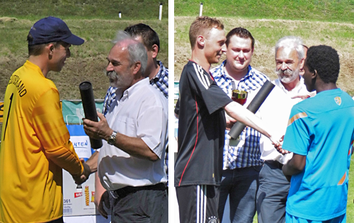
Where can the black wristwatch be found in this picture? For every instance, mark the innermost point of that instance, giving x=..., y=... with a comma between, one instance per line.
x=112, y=139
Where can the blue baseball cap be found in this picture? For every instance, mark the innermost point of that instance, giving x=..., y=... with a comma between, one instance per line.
x=52, y=29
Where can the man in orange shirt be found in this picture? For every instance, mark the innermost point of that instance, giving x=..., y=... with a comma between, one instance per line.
x=35, y=144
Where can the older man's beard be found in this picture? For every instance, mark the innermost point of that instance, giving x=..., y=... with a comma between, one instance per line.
x=288, y=76
x=113, y=78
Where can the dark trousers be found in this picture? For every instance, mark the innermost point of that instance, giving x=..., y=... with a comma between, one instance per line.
x=241, y=185
x=272, y=193
x=142, y=205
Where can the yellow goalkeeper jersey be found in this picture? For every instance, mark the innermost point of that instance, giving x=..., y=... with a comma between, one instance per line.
x=35, y=147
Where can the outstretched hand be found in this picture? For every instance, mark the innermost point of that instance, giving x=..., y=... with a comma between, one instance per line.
x=80, y=179
x=303, y=97
x=278, y=146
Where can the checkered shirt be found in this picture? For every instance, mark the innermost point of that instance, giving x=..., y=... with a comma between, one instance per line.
x=246, y=154
x=160, y=81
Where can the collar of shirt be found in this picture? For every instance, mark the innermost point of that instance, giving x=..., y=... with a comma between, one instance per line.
x=122, y=96
x=299, y=89
x=160, y=72
x=163, y=71
x=252, y=81
x=220, y=71
x=34, y=67
x=160, y=81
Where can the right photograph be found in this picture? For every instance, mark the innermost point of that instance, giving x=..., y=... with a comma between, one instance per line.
x=263, y=112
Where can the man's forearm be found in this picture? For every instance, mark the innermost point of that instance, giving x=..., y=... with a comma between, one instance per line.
x=135, y=147
x=131, y=145
x=241, y=114
x=92, y=162
x=295, y=165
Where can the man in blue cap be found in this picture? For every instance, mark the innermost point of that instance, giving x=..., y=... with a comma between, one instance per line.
x=35, y=144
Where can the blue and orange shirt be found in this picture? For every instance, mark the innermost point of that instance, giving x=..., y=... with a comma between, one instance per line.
x=322, y=129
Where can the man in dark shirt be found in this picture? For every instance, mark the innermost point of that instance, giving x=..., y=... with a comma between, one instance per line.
x=202, y=106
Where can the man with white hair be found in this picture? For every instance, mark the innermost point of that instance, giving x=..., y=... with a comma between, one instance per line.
x=290, y=89
x=131, y=160
x=289, y=60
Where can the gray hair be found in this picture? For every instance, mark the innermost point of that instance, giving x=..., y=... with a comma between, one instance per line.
x=293, y=42
x=136, y=50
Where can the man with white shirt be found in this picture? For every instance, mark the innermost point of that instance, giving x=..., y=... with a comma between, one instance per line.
x=158, y=76
x=131, y=160
x=273, y=185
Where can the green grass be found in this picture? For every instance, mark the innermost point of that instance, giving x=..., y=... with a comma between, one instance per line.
x=327, y=22
x=97, y=21
x=319, y=10
x=89, y=9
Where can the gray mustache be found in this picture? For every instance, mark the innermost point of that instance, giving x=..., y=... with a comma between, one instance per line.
x=111, y=73
x=286, y=72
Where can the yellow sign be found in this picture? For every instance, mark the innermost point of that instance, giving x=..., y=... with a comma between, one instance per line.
x=1, y=111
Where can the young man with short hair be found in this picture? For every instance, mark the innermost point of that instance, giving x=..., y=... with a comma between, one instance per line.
x=35, y=144
x=202, y=125
x=320, y=134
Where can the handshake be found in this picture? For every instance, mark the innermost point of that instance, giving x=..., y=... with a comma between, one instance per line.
x=81, y=178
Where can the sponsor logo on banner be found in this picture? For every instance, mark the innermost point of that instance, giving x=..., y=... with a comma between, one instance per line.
x=77, y=194
x=82, y=146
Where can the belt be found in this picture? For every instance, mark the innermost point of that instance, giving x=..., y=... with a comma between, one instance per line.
x=122, y=192
x=274, y=163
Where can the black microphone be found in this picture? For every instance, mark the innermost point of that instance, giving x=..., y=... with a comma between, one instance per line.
x=88, y=103
x=257, y=101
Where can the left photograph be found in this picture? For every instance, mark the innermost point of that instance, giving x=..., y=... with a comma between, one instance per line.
x=84, y=91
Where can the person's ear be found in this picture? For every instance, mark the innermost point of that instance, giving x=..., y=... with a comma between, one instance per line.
x=154, y=50
x=224, y=48
x=50, y=48
x=136, y=68
x=302, y=63
x=314, y=75
x=200, y=41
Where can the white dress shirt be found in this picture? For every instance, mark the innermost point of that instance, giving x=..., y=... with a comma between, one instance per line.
x=140, y=111
x=275, y=112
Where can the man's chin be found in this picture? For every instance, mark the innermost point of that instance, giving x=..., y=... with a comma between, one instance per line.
x=287, y=80
x=241, y=66
x=216, y=60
